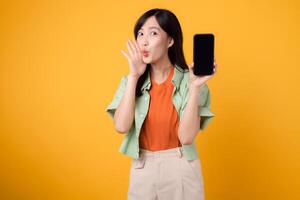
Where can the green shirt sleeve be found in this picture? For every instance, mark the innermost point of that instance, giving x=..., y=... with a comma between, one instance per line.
x=111, y=108
x=204, y=107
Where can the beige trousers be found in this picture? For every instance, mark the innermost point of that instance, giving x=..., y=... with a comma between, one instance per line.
x=165, y=175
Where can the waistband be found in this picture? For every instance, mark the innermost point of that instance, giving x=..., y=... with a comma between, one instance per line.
x=177, y=151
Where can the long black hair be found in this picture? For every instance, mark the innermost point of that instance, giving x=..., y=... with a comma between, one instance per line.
x=170, y=24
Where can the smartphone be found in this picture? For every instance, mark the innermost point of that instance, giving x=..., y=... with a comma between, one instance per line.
x=203, y=54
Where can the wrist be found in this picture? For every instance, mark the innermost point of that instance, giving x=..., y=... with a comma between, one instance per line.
x=194, y=89
x=193, y=94
x=133, y=77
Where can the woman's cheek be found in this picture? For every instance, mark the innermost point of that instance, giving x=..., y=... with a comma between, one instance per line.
x=154, y=57
x=158, y=54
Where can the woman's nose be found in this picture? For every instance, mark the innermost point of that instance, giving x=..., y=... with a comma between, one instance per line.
x=144, y=42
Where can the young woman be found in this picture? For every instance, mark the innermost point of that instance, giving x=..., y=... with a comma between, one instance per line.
x=161, y=106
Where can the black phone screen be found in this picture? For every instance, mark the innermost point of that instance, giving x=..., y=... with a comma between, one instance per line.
x=203, y=54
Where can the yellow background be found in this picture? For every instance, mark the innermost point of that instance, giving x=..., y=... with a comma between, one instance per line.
x=61, y=63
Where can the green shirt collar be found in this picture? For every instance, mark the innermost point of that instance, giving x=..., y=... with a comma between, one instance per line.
x=177, y=77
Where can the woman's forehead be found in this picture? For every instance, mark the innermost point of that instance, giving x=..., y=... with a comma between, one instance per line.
x=151, y=23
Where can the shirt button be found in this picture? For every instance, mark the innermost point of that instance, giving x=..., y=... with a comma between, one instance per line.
x=141, y=115
x=146, y=98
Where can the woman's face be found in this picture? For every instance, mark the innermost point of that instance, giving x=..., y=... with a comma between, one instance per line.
x=153, y=41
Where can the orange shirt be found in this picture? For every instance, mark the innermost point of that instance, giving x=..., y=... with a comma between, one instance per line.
x=160, y=128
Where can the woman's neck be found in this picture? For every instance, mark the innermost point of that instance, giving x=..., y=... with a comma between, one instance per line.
x=160, y=71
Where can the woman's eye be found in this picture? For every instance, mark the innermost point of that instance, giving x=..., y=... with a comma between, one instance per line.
x=152, y=33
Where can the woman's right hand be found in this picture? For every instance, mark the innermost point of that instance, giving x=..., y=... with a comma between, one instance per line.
x=135, y=59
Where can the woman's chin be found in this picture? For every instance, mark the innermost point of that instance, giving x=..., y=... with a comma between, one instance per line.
x=147, y=60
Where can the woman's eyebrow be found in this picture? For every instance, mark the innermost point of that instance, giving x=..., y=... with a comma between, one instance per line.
x=151, y=27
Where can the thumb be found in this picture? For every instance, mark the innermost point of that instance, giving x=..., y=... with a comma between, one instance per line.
x=191, y=66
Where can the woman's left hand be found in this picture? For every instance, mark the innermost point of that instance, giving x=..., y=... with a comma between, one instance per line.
x=198, y=81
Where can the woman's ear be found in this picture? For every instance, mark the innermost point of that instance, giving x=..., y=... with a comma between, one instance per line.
x=171, y=42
